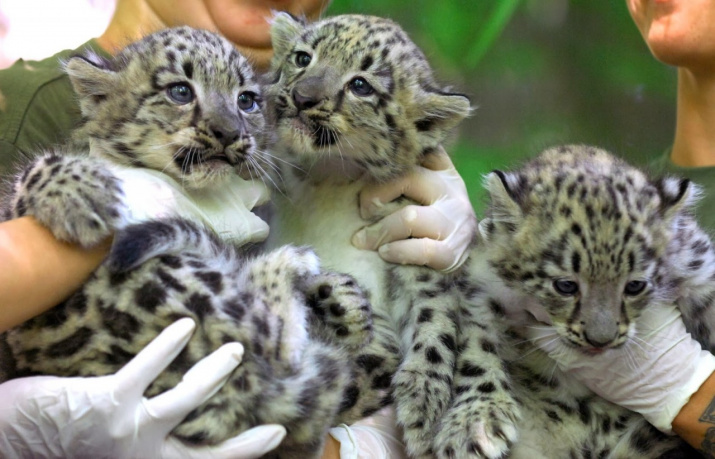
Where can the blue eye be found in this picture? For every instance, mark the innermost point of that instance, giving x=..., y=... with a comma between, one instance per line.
x=247, y=102
x=635, y=287
x=566, y=287
x=302, y=59
x=181, y=93
x=360, y=87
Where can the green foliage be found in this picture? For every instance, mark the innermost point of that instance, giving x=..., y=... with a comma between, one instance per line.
x=540, y=72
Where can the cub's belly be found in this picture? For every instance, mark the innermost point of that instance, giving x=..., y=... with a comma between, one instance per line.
x=326, y=220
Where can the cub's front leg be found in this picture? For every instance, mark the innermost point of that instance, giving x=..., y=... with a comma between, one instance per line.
x=77, y=198
x=482, y=421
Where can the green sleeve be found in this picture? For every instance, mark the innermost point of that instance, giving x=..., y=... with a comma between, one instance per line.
x=38, y=108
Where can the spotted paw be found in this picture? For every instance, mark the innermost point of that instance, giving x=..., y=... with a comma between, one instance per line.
x=420, y=399
x=76, y=198
x=481, y=429
x=340, y=309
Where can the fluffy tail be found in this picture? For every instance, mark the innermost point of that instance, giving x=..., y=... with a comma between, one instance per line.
x=138, y=243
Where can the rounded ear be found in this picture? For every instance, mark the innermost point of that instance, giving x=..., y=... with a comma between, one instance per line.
x=441, y=111
x=676, y=194
x=92, y=78
x=506, y=193
x=285, y=29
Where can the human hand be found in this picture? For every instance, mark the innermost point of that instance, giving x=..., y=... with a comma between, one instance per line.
x=108, y=416
x=653, y=374
x=226, y=208
x=437, y=232
x=374, y=436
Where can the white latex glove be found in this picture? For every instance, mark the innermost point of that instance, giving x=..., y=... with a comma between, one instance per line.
x=653, y=374
x=225, y=208
x=108, y=416
x=441, y=228
x=376, y=437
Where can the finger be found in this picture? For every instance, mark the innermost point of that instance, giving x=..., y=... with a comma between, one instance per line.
x=256, y=194
x=410, y=221
x=374, y=196
x=438, y=161
x=197, y=385
x=419, y=252
x=136, y=375
x=258, y=229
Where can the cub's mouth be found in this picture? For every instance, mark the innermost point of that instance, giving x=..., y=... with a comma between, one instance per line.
x=219, y=158
x=202, y=159
x=321, y=135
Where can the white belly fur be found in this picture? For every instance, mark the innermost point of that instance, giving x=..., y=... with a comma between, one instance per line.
x=325, y=217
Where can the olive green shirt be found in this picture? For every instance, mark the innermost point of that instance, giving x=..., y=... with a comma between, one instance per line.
x=702, y=176
x=38, y=107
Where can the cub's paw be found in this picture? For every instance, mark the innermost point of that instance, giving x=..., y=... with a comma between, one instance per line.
x=420, y=399
x=481, y=429
x=77, y=198
x=340, y=309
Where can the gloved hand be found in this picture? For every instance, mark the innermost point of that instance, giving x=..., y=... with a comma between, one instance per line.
x=374, y=437
x=225, y=208
x=654, y=374
x=108, y=416
x=441, y=228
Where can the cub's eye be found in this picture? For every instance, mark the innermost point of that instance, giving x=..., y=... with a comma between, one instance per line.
x=181, y=93
x=566, y=287
x=360, y=87
x=634, y=287
x=302, y=59
x=247, y=102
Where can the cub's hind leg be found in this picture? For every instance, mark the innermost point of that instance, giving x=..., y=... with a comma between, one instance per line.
x=340, y=310
x=342, y=314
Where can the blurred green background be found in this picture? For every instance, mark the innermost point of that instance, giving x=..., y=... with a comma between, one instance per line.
x=540, y=73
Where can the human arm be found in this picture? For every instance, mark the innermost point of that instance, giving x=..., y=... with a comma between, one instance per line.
x=695, y=423
x=656, y=376
x=108, y=416
x=437, y=232
x=37, y=271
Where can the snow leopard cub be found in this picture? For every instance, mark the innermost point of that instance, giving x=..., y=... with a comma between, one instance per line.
x=184, y=101
x=594, y=241
x=354, y=102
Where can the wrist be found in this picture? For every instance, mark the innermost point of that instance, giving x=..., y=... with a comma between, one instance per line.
x=697, y=415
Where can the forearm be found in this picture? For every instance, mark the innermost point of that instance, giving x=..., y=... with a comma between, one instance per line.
x=695, y=423
x=332, y=449
x=37, y=271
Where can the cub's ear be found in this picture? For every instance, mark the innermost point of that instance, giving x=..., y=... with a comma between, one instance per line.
x=92, y=78
x=676, y=195
x=507, y=191
x=439, y=112
x=285, y=29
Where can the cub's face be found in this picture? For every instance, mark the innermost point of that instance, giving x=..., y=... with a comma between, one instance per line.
x=181, y=101
x=586, y=235
x=355, y=90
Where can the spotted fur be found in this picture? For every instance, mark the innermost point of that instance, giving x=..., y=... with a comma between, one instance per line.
x=303, y=328
x=354, y=101
x=594, y=241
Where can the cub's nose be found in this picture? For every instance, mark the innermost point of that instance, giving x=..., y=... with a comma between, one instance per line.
x=302, y=101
